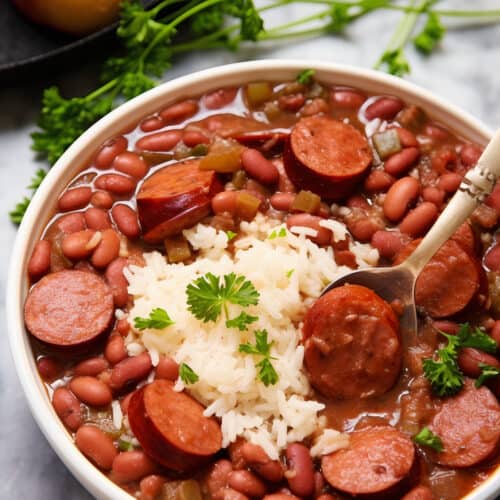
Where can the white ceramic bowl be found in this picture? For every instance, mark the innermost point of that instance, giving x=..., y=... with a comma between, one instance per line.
x=76, y=157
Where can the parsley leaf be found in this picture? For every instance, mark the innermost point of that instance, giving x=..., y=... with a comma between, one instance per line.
x=487, y=372
x=124, y=445
x=432, y=33
x=241, y=321
x=427, y=438
x=267, y=374
x=16, y=215
x=396, y=62
x=289, y=273
x=206, y=295
x=475, y=338
x=230, y=235
x=158, y=319
x=305, y=77
x=187, y=375
x=277, y=234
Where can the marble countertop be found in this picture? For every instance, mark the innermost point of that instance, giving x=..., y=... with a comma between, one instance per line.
x=464, y=71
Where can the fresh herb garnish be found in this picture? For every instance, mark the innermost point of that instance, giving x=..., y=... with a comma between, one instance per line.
x=124, y=445
x=277, y=234
x=427, y=438
x=158, y=319
x=241, y=321
x=305, y=77
x=230, y=235
x=289, y=273
x=432, y=33
x=267, y=374
x=487, y=372
x=17, y=214
x=206, y=296
x=187, y=375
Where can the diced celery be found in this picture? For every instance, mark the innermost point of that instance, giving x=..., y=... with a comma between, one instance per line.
x=239, y=179
x=306, y=201
x=387, y=143
x=177, y=249
x=223, y=157
x=247, y=206
x=258, y=93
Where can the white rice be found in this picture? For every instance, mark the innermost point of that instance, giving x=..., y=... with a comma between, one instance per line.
x=289, y=272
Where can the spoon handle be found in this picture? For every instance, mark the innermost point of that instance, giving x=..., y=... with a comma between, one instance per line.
x=475, y=187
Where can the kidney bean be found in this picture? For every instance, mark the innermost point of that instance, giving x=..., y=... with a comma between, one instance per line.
x=434, y=195
x=495, y=332
x=109, y=150
x=91, y=391
x=152, y=123
x=74, y=198
x=115, y=184
x=217, y=478
x=117, y=281
x=469, y=154
x=80, y=245
x=67, y=407
x=123, y=327
x=388, y=243
x=130, y=370
x=319, y=483
x=357, y=201
x=247, y=483
x=435, y=132
x=126, y=220
x=282, y=201
x=258, y=460
x=323, y=236
x=485, y=216
x=126, y=401
x=131, y=164
x=347, y=98
x=48, y=368
x=281, y=496
x=71, y=223
x=259, y=167
x=442, y=158
x=132, y=466
x=446, y=326
x=292, y=102
x=115, y=350
x=419, y=220
x=363, y=228
x=107, y=250
x=219, y=98
x=230, y=494
x=167, y=368
x=192, y=138
x=179, y=112
x=449, y=181
x=469, y=359
x=97, y=219
x=150, y=486
x=399, y=197
x=378, y=181
x=225, y=202
x=96, y=446
x=101, y=199
x=160, y=141
x=385, y=108
x=316, y=106
x=90, y=367
x=300, y=474
x=419, y=493
x=326, y=496
x=39, y=263
x=406, y=138
x=492, y=258
x=399, y=163
x=493, y=199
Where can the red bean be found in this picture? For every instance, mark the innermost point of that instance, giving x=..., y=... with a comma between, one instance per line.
x=469, y=359
x=123, y=327
x=230, y=494
x=39, y=263
x=179, y=112
x=109, y=150
x=117, y=281
x=126, y=220
x=225, y=202
x=446, y=326
x=130, y=370
x=150, y=486
x=364, y=228
x=315, y=107
x=192, y=138
x=378, y=181
x=131, y=164
x=493, y=199
x=419, y=220
x=421, y=492
x=74, y=198
x=90, y=367
x=406, y=138
x=67, y=407
x=399, y=197
x=107, y=250
x=48, y=368
x=388, y=243
x=258, y=460
x=219, y=98
x=91, y=391
x=96, y=446
x=126, y=401
x=167, y=368
x=442, y=158
x=152, y=123
x=217, y=478
x=281, y=496
x=115, y=184
x=469, y=154
x=247, y=483
x=101, y=199
x=401, y=162
x=385, y=108
x=259, y=167
x=115, y=350
x=347, y=98
x=97, y=219
x=436, y=132
x=357, y=201
x=282, y=201
x=291, y=102
x=160, y=141
x=71, y=223
x=434, y=195
x=79, y=245
x=326, y=496
x=319, y=483
x=300, y=474
x=132, y=466
x=323, y=236
x=492, y=258
x=449, y=182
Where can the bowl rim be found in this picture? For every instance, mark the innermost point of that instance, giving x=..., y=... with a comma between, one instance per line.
x=237, y=73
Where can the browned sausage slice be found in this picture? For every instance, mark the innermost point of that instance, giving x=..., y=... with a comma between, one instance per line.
x=171, y=427
x=174, y=198
x=377, y=460
x=469, y=427
x=448, y=282
x=228, y=125
x=68, y=308
x=352, y=344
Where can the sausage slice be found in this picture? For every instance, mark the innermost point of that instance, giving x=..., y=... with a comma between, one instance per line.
x=175, y=198
x=352, y=343
x=171, y=427
x=469, y=427
x=377, y=460
x=229, y=125
x=68, y=308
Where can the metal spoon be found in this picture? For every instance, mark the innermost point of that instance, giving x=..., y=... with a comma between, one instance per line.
x=398, y=282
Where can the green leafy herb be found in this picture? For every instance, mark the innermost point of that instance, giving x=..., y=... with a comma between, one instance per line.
x=277, y=234
x=187, y=375
x=427, y=438
x=476, y=338
x=267, y=374
x=487, y=372
x=241, y=321
x=158, y=319
x=289, y=273
x=206, y=296
x=16, y=215
x=230, y=235
x=305, y=77
x=124, y=445
x=432, y=33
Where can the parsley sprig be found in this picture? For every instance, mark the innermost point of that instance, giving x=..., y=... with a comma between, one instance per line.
x=242, y=321
x=267, y=374
x=487, y=372
x=157, y=320
x=427, y=438
x=187, y=375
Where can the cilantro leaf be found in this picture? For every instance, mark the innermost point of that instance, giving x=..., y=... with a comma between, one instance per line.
x=431, y=34
x=206, y=295
x=158, y=319
x=241, y=321
x=487, y=372
x=267, y=374
x=187, y=375
x=427, y=438
x=305, y=77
